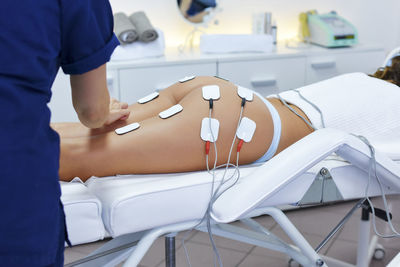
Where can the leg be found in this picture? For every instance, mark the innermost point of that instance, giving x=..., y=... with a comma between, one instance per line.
x=171, y=145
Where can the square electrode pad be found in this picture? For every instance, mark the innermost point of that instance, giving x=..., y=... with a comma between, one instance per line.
x=246, y=129
x=128, y=128
x=245, y=93
x=211, y=92
x=171, y=111
x=207, y=133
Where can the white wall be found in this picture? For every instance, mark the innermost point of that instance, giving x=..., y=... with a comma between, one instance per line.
x=378, y=22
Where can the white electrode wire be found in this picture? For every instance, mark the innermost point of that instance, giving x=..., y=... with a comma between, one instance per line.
x=216, y=256
x=203, y=218
x=211, y=202
x=211, y=194
x=234, y=183
x=372, y=164
x=230, y=153
x=215, y=195
x=314, y=106
x=295, y=112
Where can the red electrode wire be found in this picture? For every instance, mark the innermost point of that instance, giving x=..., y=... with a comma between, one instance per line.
x=239, y=147
x=207, y=147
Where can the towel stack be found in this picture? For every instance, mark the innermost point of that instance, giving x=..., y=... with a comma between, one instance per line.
x=136, y=27
x=140, y=50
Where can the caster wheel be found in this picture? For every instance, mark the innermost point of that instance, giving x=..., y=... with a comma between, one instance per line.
x=379, y=254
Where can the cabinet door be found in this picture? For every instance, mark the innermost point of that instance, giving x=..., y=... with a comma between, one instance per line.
x=138, y=82
x=267, y=76
x=327, y=66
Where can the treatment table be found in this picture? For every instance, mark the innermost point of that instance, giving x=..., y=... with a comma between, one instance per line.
x=326, y=166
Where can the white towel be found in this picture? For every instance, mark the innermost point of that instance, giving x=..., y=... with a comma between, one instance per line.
x=138, y=50
x=355, y=103
x=235, y=43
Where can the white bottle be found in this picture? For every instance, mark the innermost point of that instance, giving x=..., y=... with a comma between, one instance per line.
x=258, y=23
x=268, y=23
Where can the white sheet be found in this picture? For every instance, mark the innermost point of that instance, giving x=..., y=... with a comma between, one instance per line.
x=355, y=103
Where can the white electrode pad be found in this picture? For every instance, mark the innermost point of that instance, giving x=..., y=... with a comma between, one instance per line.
x=171, y=111
x=148, y=98
x=246, y=129
x=128, y=128
x=206, y=131
x=245, y=93
x=186, y=79
x=211, y=92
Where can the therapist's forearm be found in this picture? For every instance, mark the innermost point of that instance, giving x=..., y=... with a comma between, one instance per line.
x=90, y=97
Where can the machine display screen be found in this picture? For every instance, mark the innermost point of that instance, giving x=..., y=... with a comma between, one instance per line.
x=344, y=37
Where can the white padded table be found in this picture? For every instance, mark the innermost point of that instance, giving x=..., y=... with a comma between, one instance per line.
x=133, y=203
x=82, y=212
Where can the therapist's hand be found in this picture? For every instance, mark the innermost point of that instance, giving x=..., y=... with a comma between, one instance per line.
x=118, y=112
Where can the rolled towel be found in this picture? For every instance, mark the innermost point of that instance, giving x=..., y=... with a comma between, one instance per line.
x=146, y=31
x=124, y=29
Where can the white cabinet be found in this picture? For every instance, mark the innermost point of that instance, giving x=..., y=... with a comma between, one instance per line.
x=333, y=63
x=137, y=82
x=267, y=76
x=61, y=100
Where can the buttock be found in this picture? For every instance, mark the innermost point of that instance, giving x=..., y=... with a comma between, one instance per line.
x=227, y=112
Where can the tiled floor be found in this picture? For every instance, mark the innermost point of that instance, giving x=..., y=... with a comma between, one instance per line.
x=313, y=223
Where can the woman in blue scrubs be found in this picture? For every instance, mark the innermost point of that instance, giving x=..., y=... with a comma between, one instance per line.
x=36, y=39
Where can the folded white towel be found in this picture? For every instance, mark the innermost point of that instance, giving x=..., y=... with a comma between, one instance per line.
x=236, y=43
x=138, y=50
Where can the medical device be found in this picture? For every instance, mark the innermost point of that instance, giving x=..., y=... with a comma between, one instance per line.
x=328, y=30
x=244, y=132
x=148, y=98
x=207, y=132
x=245, y=93
x=211, y=92
x=171, y=111
x=246, y=129
x=128, y=128
x=187, y=78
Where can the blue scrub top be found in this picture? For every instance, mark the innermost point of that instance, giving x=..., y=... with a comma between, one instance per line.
x=36, y=38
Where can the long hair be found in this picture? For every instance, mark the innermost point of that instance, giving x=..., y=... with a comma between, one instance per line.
x=390, y=73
